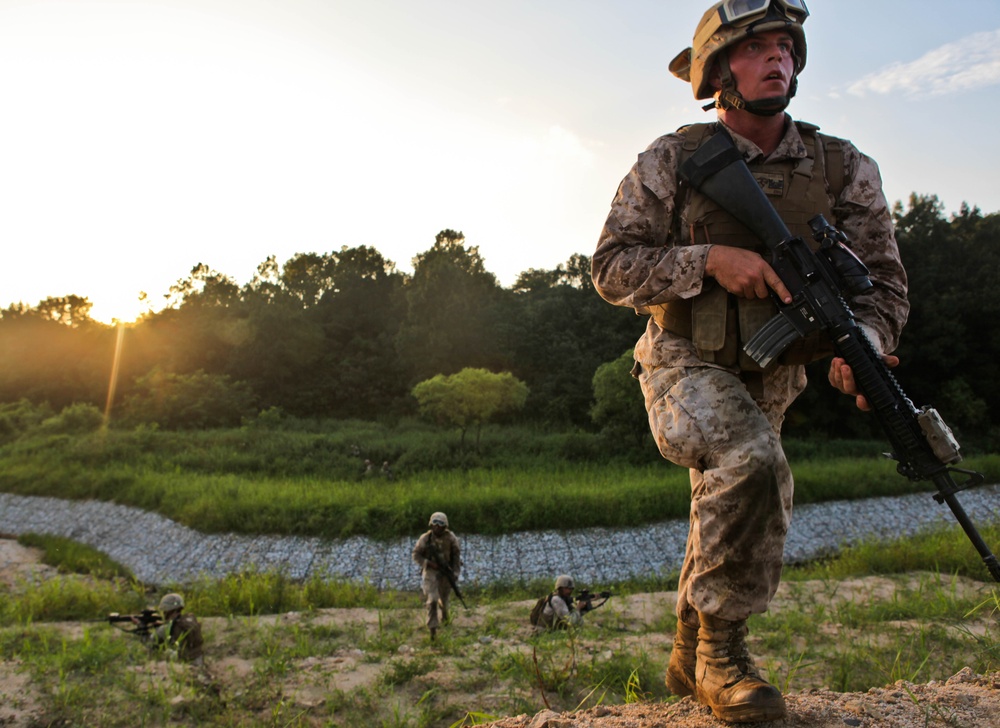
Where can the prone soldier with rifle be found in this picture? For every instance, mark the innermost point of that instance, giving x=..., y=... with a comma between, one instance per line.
x=560, y=610
x=673, y=252
x=166, y=627
x=438, y=554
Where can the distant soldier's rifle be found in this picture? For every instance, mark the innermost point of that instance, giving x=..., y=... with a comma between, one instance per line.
x=148, y=620
x=588, y=600
x=923, y=445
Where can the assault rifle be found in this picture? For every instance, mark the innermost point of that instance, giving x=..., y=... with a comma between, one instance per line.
x=923, y=445
x=445, y=569
x=149, y=619
x=588, y=600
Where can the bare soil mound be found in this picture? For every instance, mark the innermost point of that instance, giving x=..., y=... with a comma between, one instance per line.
x=966, y=700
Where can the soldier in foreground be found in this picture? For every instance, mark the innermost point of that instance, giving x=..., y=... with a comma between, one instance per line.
x=438, y=554
x=671, y=253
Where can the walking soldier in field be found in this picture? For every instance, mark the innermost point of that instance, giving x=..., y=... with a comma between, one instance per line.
x=438, y=554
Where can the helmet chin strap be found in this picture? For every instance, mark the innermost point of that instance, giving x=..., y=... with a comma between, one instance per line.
x=730, y=98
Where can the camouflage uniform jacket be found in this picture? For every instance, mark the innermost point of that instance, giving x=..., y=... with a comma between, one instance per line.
x=640, y=262
x=447, y=547
x=183, y=634
x=558, y=613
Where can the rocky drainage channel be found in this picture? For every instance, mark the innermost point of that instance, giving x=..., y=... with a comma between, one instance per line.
x=159, y=551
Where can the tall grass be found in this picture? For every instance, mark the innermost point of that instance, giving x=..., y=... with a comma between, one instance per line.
x=256, y=480
x=945, y=550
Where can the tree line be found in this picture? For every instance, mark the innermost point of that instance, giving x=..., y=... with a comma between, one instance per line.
x=344, y=334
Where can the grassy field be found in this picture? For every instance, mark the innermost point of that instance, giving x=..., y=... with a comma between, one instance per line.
x=313, y=483
x=326, y=654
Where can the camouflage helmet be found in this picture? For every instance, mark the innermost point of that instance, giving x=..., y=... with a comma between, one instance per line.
x=729, y=22
x=438, y=519
x=170, y=602
x=564, y=581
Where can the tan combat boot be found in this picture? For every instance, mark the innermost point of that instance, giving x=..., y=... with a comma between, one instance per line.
x=727, y=680
x=683, y=656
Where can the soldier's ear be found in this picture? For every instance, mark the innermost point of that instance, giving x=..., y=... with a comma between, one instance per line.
x=715, y=77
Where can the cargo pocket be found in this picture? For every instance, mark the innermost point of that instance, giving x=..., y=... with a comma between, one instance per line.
x=681, y=418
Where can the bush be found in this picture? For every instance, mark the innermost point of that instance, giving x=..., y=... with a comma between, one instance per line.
x=19, y=418
x=189, y=401
x=77, y=419
x=618, y=408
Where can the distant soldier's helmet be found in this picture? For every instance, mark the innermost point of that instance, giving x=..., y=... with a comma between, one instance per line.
x=439, y=519
x=727, y=23
x=564, y=581
x=170, y=602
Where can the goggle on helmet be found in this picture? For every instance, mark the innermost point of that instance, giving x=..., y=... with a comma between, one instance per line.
x=740, y=12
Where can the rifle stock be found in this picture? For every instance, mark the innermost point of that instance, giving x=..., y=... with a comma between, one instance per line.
x=922, y=443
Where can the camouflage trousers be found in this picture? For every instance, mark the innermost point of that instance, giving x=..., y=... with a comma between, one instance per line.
x=704, y=419
x=437, y=592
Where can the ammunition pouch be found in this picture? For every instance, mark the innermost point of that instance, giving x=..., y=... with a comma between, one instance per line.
x=719, y=324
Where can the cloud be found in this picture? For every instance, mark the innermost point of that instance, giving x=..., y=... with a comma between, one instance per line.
x=970, y=63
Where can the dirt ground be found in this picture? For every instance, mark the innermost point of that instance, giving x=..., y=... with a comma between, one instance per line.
x=965, y=700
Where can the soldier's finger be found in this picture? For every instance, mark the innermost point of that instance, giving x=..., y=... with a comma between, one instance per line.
x=835, y=375
x=777, y=286
x=847, y=380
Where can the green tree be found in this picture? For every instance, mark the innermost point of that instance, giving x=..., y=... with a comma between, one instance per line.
x=949, y=346
x=54, y=352
x=359, y=374
x=947, y=349
x=71, y=310
x=470, y=397
x=275, y=349
x=308, y=276
x=618, y=405
x=203, y=321
x=559, y=330
x=452, y=316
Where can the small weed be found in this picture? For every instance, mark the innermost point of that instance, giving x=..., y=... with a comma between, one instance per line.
x=402, y=671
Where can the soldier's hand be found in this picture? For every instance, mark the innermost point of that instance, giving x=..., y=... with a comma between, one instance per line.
x=842, y=378
x=744, y=273
x=431, y=565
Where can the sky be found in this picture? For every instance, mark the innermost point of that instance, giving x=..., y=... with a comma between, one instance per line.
x=140, y=138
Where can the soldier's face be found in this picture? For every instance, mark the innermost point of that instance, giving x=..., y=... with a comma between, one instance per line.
x=438, y=530
x=763, y=65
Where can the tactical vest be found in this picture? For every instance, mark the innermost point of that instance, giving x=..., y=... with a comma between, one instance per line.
x=718, y=322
